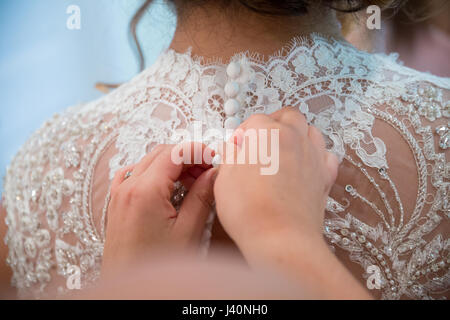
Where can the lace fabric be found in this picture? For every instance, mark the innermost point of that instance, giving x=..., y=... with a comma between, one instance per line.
x=389, y=125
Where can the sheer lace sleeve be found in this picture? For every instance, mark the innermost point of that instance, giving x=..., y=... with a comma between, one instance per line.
x=392, y=219
x=52, y=231
x=388, y=213
x=57, y=186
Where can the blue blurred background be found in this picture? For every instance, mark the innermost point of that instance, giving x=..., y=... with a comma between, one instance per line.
x=45, y=67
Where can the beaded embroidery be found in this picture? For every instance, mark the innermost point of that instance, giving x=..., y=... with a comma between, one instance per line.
x=342, y=91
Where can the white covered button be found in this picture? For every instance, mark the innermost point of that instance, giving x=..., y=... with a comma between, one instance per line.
x=232, y=89
x=232, y=123
x=233, y=70
x=231, y=107
x=216, y=161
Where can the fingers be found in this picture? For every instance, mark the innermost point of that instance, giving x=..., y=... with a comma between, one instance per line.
x=148, y=159
x=316, y=137
x=288, y=116
x=196, y=207
x=230, y=149
x=119, y=177
x=159, y=170
x=255, y=121
x=188, y=177
x=136, y=169
x=331, y=161
x=291, y=116
x=173, y=160
x=166, y=168
x=332, y=164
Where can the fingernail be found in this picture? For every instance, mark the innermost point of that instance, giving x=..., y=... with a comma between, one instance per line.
x=237, y=137
x=213, y=174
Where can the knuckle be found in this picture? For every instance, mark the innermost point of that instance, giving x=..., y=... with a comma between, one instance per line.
x=119, y=173
x=133, y=194
x=162, y=190
x=333, y=167
x=204, y=198
x=298, y=118
x=257, y=118
x=114, y=191
x=157, y=149
x=275, y=125
x=293, y=117
x=314, y=130
x=118, y=177
x=301, y=118
x=288, y=134
x=318, y=134
x=289, y=109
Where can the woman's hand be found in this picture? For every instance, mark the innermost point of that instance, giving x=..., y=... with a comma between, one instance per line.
x=141, y=217
x=276, y=220
x=257, y=210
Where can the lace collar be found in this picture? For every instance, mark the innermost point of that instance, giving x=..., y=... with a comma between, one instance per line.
x=315, y=46
x=306, y=70
x=50, y=184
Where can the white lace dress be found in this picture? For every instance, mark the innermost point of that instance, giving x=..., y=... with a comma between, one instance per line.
x=388, y=214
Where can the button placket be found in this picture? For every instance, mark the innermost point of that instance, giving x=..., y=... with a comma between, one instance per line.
x=231, y=105
x=232, y=89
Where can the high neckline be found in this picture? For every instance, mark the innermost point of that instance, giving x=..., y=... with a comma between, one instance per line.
x=305, y=41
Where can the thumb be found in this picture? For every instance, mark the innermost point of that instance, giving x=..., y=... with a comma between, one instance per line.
x=196, y=207
x=332, y=164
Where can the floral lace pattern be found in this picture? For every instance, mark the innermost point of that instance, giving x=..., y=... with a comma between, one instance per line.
x=55, y=224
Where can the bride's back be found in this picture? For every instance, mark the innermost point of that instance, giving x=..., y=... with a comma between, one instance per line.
x=387, y=215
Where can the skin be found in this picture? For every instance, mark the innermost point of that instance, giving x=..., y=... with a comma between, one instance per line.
x=143, y=221
x=188, y=278
x=274, y=227
x=292, y=187
x=214, y=32
x=141, y=218
x=276, y=220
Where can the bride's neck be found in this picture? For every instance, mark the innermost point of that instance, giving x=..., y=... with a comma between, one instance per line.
x=212, y=32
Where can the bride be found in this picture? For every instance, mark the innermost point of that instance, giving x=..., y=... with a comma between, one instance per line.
x=386, y=215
